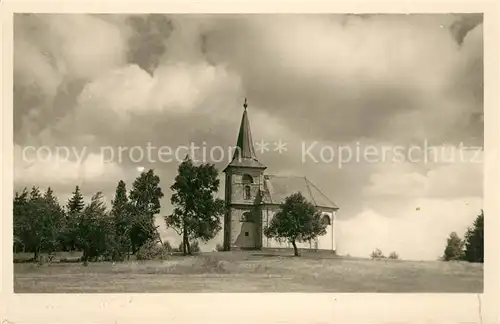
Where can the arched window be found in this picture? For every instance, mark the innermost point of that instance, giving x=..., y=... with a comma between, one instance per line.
x=248, y=194
x=247, y=179
x=246, y=217
x=327, y=220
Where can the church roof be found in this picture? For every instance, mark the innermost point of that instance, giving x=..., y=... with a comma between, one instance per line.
x=277, y=188
x=244, y=154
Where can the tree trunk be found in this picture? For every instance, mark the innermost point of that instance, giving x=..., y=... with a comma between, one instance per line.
x=159, y=236
x=295, y=250
x=188, y=247
x=184, y=242
x=37, y=254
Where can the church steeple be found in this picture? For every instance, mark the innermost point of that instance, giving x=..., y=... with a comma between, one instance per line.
x=244, y=154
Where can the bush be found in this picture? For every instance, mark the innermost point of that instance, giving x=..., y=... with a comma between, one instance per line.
x=219, y=247
x=454, y=250
x=154, y=251
x=394, y=256
x=194, y=246
x=377, y=254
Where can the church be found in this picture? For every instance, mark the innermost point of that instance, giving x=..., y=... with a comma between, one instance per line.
x=253, y=197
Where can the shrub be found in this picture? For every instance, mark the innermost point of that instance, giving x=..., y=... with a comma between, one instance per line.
x=454, y=248
x=194, y=247
x=377, y=254
x=219, y=247
x=394, y=256
x=151, y=250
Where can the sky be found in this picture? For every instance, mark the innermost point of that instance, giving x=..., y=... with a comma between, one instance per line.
x=358, y=102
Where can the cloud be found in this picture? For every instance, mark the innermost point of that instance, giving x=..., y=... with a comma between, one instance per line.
x=413, y=234
x=94, y=81
x=50, y=167
x=433, y=180
x=52, y=52
x=383, y=67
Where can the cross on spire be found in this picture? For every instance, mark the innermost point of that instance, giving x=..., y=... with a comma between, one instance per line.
x=245, y=104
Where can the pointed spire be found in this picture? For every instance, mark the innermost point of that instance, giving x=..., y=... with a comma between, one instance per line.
x=244, y=154
x=244, y=145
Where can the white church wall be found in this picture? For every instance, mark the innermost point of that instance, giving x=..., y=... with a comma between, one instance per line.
x=324, y=242
x=267, y=215
x=327, y=241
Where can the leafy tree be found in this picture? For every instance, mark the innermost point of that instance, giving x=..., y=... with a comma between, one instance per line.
x=197, y=211
x=377, y=254
x=454, y=248
x=35, y=222
x=120, y=212
x=45, y=221
x=94, y=229
x=297, y=220
x=474, y=241
x=20, y=220
x=57, y=212
x=74, y=208
x=394, y=256
x=144, y=198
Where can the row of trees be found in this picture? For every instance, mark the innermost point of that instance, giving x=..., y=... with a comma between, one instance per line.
x=471, y=247
x=41, y=224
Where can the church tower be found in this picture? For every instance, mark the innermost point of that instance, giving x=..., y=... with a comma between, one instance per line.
x=244, y=178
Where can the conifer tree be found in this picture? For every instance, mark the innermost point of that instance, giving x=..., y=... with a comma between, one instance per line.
x=74, y=207
x=120, y=212
x=94, y=229
x=474, y=240
x=144, y=205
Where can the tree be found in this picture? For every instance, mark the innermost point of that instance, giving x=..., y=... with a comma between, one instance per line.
x=120, y=212
x=94, y=229
x=57, y=212
x=454, y=248
x=197, y=212
x=394, y=256
x=297, y=220
x=74, y=208
x=144, y=198
x=20, y=220
x=474, y=240
x=377, y=254
x=76, y=203
x=36, y=221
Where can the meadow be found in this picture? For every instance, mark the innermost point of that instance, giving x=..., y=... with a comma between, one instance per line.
x=240, y=271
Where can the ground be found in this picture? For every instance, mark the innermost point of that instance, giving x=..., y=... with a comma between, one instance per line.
x=251, y=272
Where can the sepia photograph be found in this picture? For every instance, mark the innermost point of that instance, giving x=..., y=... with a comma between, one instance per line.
x=248, y=153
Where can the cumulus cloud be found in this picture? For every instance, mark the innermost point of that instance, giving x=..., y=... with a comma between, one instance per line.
x=415, y=234
x=51, y=166
x=94, y=81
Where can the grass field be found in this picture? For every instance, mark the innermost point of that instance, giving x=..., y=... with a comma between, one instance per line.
x=250, y=272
